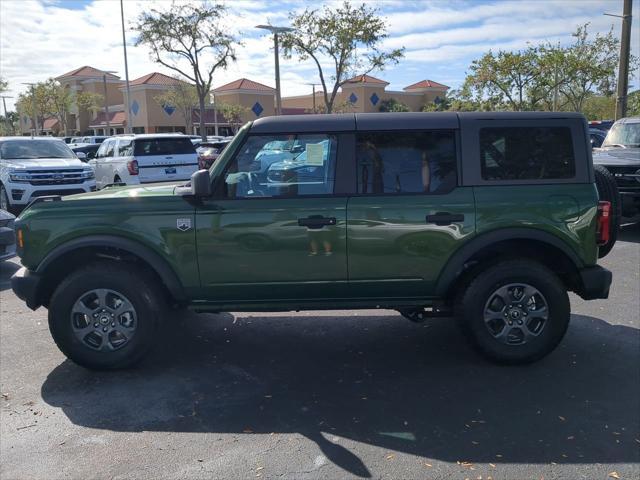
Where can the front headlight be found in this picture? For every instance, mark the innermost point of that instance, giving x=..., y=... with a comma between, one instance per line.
x=88, y=174
x=19, y=177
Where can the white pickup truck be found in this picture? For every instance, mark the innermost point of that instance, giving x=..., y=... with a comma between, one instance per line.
x=32, y=167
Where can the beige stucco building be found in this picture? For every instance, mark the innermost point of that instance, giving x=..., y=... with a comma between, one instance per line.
x=363, y=93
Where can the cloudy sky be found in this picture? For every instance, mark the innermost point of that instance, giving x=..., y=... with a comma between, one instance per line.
x=45, y=38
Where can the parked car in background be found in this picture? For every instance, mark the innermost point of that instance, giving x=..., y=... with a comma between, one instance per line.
x=88, y=151
x=67, y=140
x=32, y=167
x=7, y=235
x=603, y=125
x=89, y=140
x=596, y=136
x=209, y=151
x=145, y=158
x=619, y=157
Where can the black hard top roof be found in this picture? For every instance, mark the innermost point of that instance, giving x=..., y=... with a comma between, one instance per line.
x=389, y=121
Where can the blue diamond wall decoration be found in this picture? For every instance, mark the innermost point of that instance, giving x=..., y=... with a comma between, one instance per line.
x=169, y=109
x=353, y=98
x=374, y=99
x=135, y=107
x=257, y=109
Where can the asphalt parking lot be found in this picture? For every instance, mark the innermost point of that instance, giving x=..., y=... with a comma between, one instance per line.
x=336, y=394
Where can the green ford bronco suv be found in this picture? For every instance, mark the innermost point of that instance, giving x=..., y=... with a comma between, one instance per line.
x=490, y=218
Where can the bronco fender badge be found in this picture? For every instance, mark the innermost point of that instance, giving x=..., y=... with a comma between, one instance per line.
x=183, y=224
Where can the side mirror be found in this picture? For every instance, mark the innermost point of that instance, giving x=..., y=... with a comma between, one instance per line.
x=81, y=156
x=200, y=184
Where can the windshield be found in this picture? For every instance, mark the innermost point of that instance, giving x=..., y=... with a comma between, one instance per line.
x=623, y=135
x=28, y=149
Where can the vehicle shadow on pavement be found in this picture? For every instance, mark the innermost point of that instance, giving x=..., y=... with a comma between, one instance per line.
x=6, y=270
x=630, y=232
x=413, y=388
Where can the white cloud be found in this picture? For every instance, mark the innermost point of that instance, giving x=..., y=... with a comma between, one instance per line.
x=40, y=39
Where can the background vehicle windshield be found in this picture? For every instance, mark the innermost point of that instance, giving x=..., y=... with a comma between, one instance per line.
x=27, y=149
x=625, y=134
x=163, y=146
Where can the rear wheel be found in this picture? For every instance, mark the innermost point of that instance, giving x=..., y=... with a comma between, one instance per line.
x=608, y=191
x=106, y=315
x=516, y=311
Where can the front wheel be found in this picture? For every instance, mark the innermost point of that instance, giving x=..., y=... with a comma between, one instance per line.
x=516, y=311
x=106, y=315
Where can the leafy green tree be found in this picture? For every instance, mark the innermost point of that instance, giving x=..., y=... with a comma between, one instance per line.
x=233, y=114
x=9, y=124
x=392, y=105
x=347, y=38
x=599, y=107
x=4, y=85
x=190, y=40
x=33, y=103
x=182, y=96
x=439, y=104
x=58, y=101
x=633, y=104
x=91, y=102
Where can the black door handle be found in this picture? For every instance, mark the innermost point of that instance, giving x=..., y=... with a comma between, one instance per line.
x=445, y=218
x=316, y=221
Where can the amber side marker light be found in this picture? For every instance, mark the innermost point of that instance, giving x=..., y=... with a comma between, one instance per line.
x=20, y=238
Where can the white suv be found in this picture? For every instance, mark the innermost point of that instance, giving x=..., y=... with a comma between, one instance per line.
x=135, y=159
x=33, y=167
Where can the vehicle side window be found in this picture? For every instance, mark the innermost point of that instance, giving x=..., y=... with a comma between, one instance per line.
x=526, y=153
x=282, y=166
x=406, y=162
x=125, y=148
x=110, y=148
x=102, y=150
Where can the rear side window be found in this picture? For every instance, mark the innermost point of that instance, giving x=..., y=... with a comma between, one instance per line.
x=163, y=146
x=125, y=148
x=406, y=162
x=526, y=153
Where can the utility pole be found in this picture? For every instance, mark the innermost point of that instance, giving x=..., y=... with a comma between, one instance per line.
x=126, y=71
x=275, y=31
x=623, y=68
x=4, y=104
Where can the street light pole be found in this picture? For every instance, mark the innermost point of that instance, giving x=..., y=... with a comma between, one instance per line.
x=623, y=68
x=276, y=31
x=126, y=71
x=313, y=85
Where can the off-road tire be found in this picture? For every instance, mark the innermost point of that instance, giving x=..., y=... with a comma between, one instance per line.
x=139, y=287
x=469, y=308
x=608, y=191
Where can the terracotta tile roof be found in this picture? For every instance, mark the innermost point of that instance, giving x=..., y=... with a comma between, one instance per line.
x=155, y=78
x=425, y=84
x=367, y=79
x=244, y=84
x=87, y=71
x=49, y=123
x=115, y=118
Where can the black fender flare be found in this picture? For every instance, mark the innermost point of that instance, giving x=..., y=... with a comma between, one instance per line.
x=154, y=260
x=456, y=263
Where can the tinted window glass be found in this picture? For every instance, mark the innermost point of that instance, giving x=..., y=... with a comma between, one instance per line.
x=125, y=148
x=110, y=148
x=301, y=165
x=23, y=149
x=163, y=146
x=406, y=162
x=526, y=153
